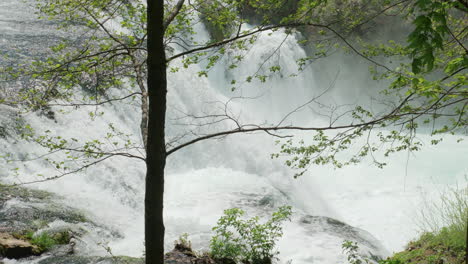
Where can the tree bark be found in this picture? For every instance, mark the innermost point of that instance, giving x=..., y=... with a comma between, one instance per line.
x=155, y=149
x=144, y=97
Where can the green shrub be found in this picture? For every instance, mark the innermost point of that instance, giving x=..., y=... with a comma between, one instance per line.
x=43, y=240
x=247, y=240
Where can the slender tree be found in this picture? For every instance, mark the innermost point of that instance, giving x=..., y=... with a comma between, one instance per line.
x=156, y=147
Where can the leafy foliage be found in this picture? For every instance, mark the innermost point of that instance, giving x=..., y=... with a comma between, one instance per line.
x=45, y=241
x=431, y=27
x=351, y=249
x=429, y=84
x=247, y=240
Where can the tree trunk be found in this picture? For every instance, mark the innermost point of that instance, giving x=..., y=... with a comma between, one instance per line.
x=155, y=149
x=144, y=97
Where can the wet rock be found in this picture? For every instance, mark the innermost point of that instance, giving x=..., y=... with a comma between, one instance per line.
x=91, y=260
x=267, y=201
x=172, y=257
x=177, y=257
x=204, y=260
x=23, y=209
x=323, y=224
x=225, y=261
x=29, y=214
x=181, y=254
x=13, y=248
x=186, y=249
x=3, y=134
x=9, y=192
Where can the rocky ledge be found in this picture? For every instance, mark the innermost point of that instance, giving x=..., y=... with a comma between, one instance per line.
x=36, y=227
x=33, y=222
x=11, y=247
x=179, y=255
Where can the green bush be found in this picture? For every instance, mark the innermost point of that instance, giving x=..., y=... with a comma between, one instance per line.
x=45, y=241
x=247, y=240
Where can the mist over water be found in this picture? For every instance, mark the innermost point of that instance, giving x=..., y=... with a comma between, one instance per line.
x=237, y=171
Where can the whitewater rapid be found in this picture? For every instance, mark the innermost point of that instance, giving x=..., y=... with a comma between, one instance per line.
x=237, y=171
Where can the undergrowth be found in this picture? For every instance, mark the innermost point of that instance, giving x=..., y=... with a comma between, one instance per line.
x=444, y=236
x=45, y=241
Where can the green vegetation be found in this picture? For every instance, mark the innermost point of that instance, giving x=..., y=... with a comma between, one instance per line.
x=444, y=240
x=23, y=193
x=447, y=219
x=247, y=240
x=238, y=240
x=45, y=240
x=445, y=232
x=350, y=248
x=431, y=248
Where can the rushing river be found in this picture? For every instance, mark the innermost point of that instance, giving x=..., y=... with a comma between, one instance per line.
x=206, y=178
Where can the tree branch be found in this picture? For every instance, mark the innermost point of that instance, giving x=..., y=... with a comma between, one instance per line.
x=250, y=129
x=173, y=14
x=97, y=103
x=66, y=173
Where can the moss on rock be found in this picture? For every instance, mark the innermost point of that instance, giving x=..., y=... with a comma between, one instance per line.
x=8, y=192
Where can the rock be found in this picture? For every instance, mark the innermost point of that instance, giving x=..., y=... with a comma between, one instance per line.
x=91, y=260
x=173, y=257
x=182, y=254
x=371, y=246
x=25, y=213
x=23, y=209
x=204, y=260
x=225, y=261
x=14, y=248
x=177, y=257
x=180, y=247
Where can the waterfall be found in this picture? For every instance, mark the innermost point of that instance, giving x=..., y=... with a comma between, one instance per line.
x=237, y=171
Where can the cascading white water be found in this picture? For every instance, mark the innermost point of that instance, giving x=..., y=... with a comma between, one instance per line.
x=208, y=177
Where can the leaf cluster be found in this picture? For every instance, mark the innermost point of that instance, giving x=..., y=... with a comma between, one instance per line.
x=247, y=240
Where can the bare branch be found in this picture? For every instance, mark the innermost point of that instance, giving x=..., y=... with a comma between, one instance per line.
x=64, y=174
x=97, y=103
